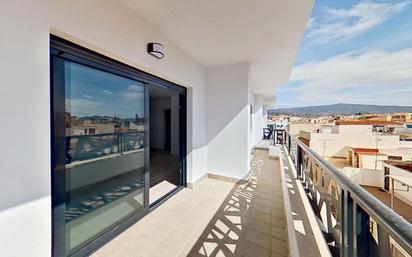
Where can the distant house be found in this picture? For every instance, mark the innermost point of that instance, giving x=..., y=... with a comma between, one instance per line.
x=366, y=158
x=90, y=128
x=377, y=126
x=128, y=126
x=334, y=141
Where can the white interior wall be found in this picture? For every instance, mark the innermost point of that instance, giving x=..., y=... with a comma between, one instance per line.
x=228, y=120
x=157, y=122
x=174, y=130
x=107, y=27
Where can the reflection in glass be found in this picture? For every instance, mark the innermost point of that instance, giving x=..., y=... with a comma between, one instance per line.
x=104, y=157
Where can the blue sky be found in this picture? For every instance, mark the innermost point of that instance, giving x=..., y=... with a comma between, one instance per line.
x=353, y=52
x=92, y=92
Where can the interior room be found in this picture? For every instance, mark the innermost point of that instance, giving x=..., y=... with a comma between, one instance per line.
x=164, y=142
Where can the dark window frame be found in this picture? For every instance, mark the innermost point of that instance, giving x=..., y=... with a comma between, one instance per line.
x=72, y=52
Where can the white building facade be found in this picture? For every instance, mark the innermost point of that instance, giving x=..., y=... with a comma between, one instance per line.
x=228, y=81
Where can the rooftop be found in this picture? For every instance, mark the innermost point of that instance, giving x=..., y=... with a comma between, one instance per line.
x=366, y=122
x=405, y=165
x=400, y=207
x=365, y=150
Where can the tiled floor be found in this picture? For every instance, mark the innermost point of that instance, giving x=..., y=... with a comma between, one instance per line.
x=216, y=218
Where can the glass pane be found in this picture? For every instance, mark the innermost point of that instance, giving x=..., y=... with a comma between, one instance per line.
x=105, y=138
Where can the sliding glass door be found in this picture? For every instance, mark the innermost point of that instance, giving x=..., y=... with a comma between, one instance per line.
x=101, y=175
x=104, y=165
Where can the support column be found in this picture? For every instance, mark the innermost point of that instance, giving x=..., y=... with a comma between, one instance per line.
x=228, y=105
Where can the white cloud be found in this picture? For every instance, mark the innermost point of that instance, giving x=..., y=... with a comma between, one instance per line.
x=346, y=23
x=311, y=23
x=83, y=107
x=369, y=77
x=108, y=92
x=87, y=96
x=133, y=92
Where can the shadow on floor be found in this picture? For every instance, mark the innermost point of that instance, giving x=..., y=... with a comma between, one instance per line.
x=250, y=222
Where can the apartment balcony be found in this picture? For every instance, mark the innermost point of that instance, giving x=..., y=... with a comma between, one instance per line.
x=282, y=209
x=96, y=119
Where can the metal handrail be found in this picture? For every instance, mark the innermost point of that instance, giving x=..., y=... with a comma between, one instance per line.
x=395, y=225
x=117, y=143
x=107, y=134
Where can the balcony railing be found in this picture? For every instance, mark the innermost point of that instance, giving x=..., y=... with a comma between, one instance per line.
x=83, y=147
x=353, y=222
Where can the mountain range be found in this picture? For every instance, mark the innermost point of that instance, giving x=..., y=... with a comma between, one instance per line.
x=341, y=108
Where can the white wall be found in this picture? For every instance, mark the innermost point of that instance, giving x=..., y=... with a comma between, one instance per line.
x=364, y=177
x=218, y=115
x=107, y=27
x=405, y=153
x=257, y=119
x=355, y=129
x=228, y=120
x=407, y=144
x=400, y=191
x=157, y=122
x=296, y=128
x=337, y=145
x=369, y=161
x=174, y=130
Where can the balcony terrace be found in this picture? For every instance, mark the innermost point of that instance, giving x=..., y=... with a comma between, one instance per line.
x=280, y=210
x=215, y=218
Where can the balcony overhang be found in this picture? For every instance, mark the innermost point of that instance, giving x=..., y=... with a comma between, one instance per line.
x=266, y=34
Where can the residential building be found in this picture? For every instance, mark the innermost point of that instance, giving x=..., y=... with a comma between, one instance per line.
x=401, y=117
x=90, y=128
x=296, y=127
x=218, y=72
x=366, y=158
x=334, y=141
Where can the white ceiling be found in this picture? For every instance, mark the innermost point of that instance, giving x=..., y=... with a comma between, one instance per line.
x=266, y=33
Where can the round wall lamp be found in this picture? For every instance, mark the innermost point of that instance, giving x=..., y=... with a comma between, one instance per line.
x=156, y=49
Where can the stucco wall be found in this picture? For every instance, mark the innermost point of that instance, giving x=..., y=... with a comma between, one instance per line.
x=355, y=129
x=400, y=191
x=369, y=161
x=107, y=27
x=337, y=145
x=257, y=119
x=228, y=120
x=364, y=177
x=295, y=128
